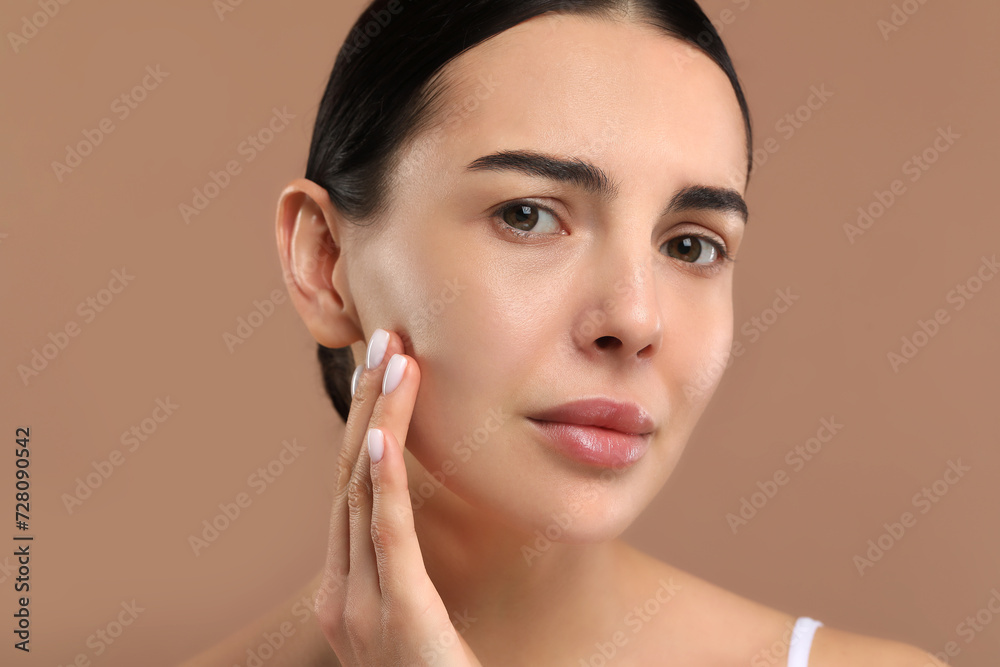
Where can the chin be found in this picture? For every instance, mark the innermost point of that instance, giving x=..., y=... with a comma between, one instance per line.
x=562, y=526
x=573, y=511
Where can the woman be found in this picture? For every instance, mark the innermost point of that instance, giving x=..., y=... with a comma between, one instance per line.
x=517, y=228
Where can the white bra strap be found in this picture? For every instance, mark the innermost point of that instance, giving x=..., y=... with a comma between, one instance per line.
x=801, y=642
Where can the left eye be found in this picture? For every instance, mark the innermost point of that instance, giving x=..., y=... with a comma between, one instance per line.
x=692, y=248
x=525, y=217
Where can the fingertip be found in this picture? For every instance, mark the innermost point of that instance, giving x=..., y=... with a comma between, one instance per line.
x=376, y=444
x=411, y=366
x=386, y=469
x=386, y=473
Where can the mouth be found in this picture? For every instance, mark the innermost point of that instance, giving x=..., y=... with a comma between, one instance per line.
x=623, y=417
x=597, y=431
x=594, y=445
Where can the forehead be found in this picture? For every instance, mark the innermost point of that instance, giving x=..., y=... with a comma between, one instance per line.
x=632, y=99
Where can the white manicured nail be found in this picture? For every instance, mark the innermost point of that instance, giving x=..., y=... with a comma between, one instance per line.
x=376, y=348
x=393, y=373
x=376, y=444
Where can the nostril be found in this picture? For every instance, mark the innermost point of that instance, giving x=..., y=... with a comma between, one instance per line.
x=605, y=342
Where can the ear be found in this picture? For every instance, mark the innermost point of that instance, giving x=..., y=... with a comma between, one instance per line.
x=308, y=234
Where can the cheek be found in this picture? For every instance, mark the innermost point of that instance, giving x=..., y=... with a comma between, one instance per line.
x=469, y=360
x=460, y=324
x=485, y=318
x=702, y=355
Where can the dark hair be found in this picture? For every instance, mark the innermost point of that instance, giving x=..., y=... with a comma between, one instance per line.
x=387, y=83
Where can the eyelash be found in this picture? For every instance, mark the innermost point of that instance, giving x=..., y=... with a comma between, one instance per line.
x=723, y=253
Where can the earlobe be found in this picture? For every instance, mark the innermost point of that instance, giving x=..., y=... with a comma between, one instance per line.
x=306, y=234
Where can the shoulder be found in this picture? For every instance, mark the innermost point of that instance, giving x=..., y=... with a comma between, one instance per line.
x=706, y=624
x=732, y=629
x=833, y=647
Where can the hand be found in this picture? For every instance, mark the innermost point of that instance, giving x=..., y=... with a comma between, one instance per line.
x=381, y=607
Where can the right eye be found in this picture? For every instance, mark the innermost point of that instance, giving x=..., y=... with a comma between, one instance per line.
x=522, y=218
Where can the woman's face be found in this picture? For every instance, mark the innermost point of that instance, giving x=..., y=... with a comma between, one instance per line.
x=607, y=297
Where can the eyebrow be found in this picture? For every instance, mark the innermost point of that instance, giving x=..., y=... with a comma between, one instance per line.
x=595, y=181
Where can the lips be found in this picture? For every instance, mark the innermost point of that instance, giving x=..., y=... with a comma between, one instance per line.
x=628, y=418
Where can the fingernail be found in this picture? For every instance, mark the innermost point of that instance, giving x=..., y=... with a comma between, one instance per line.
x=354, y=379
x=393, y=373
x=376, y=348
x=376, y=444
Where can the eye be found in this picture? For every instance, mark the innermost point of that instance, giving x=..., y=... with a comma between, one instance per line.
x=696, y=249
x=524, y=219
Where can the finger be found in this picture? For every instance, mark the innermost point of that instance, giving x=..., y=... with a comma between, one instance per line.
x=389, y=410
x=381, y=346
x=399, y=562
x=362, y=582
x=394, y=410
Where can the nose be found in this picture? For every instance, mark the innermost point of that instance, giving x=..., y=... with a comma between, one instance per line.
x=620, y=315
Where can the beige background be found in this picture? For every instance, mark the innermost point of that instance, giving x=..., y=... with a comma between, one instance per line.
x=163, y=334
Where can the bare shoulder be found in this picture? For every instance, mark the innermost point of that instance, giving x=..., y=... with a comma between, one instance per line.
x=286, y=636
x=833, y=647
x=712, y=625
x=706, y=624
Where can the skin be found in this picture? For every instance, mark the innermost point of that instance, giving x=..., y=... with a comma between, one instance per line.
x=592, y=305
